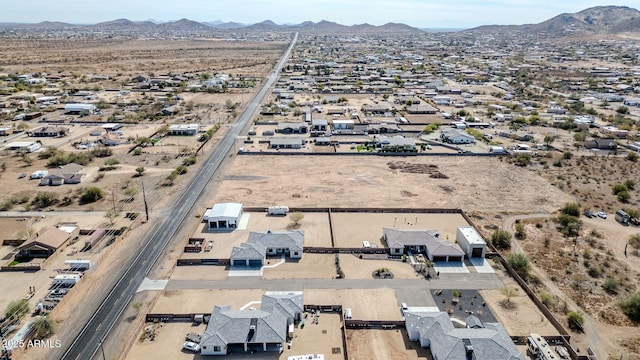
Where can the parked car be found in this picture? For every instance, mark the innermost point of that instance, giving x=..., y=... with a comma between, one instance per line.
x=589, y=214
x=601, y=215
x=191, y=346
x=22, y=176
x=59, y=292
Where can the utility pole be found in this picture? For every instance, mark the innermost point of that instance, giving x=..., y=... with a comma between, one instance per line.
x=144, y=198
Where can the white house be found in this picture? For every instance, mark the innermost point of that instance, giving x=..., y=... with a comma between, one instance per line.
x=183, y=129
x=223, y=216
x=79, y=108
x=260, y=245
x=471, y=242
x=343, y=124
x=26, y=146
x=455, y=136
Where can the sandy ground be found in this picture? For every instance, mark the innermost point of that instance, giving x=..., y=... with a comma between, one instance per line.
x=485, y=184
x=524, y=319
x=351, y=229
x=370, y=304
x=203, y=301
x=383, y=345
x=310, y=266
x=355, y=268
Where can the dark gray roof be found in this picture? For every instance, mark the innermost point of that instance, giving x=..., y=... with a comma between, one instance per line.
x=397, y=238
x=228, y=326
x=448, y=343
x=286, y=141
x=258, y=243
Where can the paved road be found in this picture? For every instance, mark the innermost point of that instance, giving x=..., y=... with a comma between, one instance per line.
x=95, y=331
x=415, y=292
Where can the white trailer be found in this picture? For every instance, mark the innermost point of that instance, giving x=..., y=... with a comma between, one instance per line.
x=65, y=280
x=278, y=210
x=78, y=264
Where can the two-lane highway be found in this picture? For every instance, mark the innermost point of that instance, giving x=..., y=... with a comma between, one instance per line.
x=88, y=340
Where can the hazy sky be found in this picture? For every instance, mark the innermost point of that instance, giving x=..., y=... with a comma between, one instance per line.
x=419, y=13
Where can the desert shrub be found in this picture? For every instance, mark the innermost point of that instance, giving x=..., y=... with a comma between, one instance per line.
x=547, y=299
x=189, y=161
x=111, y=162
x=44, y=199
x=567, y=155
x=43, y=326
x=575, y=320
x=102, y=151
x=182, y=169
x=91, y=194
x=634, y=241
x=16, y=309
x=572, y=209
x=624, y=196
x=618, y=188
x=611, y=285
x=520, y=264
x=631, y=306
x=630, y=184
x=501, y=239
x=632, y=156
x=521, y=231
x=595, y=272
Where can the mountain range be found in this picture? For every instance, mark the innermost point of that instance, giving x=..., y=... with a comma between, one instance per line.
x=596, y=20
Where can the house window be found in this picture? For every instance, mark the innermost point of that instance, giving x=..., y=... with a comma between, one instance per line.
x=216, y=348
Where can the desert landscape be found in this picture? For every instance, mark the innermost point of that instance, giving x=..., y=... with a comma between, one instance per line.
x=152, y=172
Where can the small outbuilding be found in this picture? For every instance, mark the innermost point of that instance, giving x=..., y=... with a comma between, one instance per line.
x=223, y=216
x=471, y=242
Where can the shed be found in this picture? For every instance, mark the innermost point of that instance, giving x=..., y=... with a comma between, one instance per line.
x=79, y=108
x=223, y=216
x=471, y=242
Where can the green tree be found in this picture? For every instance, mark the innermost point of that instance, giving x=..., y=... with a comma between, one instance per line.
x=44, y=199
x=520, y=264
x=630, y=184
x=501, y=239
x=632, y=156
x=140, y=170
x=549, y=139
x=572, y=209
x=617, y=188
x=16, y=309
x=575, y=320
x=43, y=326
x=91, y=194
x=631, y=306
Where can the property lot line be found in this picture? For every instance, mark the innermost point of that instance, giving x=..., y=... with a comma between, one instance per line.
x=472, y=281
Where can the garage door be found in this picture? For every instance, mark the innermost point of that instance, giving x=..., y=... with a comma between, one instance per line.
x=255, y=263
x=455, y=258
x=476, y=252
x=239, y=262
x=439, y=258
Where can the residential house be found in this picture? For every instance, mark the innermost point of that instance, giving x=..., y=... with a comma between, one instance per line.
x=268, y=329
x=49, y=131
x=343, y=124
x=395, y=143
x=383, y=128
x=319, y=125
x=478, y=341
x=223, y=216
x=183, y=129
x=292, y=128
x=421, y=241
x=67, y=174
x=421, y=109
x=602, y=144
x=456, y=136
x=375, y=109
x=260, y=245
x=47, y=242
x=286, y=143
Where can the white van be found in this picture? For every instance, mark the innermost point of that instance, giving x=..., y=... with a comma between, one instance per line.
x=347, y=313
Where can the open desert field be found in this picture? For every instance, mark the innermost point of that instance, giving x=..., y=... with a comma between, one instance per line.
x=366, y=304
x=355, y=268
x=135, y=56
x=487, y=184
x=310, y=266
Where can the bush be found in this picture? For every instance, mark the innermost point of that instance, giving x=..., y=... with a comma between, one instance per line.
x=630, y=184
x=91, y=194
x=520, y=264
x=595, y=272
x=44, y=199
x=111, y=162
x=501, y=239
x=189, y=161
x=611, y=285
x=521, y=231
x=618, y=188
x=182, y=169
x=567, y=155
x=575, y=320
x=624, y=196
x=43, y=326
x=632, y=156
x=101, y=151
x=572, y=209
x=631, y=306
x=16, y=309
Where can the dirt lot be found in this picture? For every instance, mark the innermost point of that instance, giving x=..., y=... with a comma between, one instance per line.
x=366, y=304
x=384, y=345
x=355, y=268
x=350, y=181
x=203, y=301
x=310, y=266
x=351, y=229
